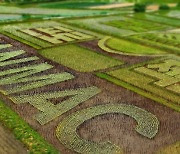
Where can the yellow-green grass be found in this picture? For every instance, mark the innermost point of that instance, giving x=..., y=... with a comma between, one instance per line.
x=79, y=58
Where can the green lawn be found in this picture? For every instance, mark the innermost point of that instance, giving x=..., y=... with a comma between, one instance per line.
x=79, y=58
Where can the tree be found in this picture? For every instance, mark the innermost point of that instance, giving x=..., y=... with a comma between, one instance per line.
x=139, y=7
x=164, y=7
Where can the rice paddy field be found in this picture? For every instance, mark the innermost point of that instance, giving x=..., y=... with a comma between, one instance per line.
x=90, y=77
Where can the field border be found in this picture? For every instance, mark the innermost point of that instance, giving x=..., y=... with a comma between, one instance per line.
x=23, y=132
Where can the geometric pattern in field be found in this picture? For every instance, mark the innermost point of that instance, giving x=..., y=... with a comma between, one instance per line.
x=117, y=25
x=168, y=40
x=56, y=35
x=46, y=34
x=136, y=25
x=125, y=47
x=158, y=79
x=167, y=72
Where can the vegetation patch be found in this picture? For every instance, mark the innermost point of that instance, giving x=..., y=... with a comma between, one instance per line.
x=157, y=19
x=173, y=148
x=49, y=111
x=71, y=4
x=23, y=132
x=99, y=25
x=158, y=80
x=78, y=58
x=136, y=25
x=45, y=34
x=66, y=130
x=163, y=40
x=67, y=13
x=124, y=47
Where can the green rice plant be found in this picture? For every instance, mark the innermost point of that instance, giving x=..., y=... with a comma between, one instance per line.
x=46, y=34
x=171, y=13
x=49, y=111
x=23, y=132
x=7, y=55
x=125, y=47
x=22, y=75
x=79, y=58
x=9, y=17
x=136, y=25
x=117, y=26
x=5, y=9
x=168, y=42
x=158, y=19
x=147, y=125
x=99, y=25
x=143, y=83
x=71, y=4
x=17, y=61
x=3, y=46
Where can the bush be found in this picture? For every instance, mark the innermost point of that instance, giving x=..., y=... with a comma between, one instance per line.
x=178, y=4
x=139, y=7
x=164, y=7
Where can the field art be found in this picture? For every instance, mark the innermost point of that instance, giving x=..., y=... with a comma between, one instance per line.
x=89, y=77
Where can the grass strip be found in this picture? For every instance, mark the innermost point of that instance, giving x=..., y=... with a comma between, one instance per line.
x=23, y=132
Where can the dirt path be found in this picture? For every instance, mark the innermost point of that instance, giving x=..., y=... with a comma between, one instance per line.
x=8, y=143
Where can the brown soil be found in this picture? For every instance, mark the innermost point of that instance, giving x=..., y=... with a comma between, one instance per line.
x=119, y=129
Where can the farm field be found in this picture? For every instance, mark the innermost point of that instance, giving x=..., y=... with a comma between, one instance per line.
x=90, y=77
